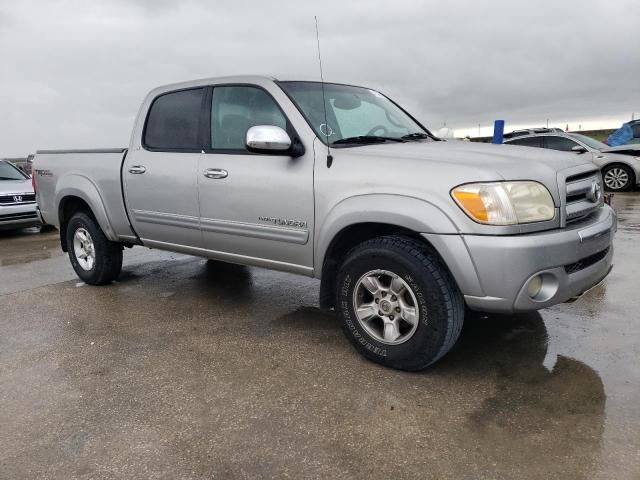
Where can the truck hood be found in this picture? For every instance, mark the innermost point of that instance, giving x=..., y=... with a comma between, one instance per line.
x=408, y=168
x=15, y=186
x=504, y=161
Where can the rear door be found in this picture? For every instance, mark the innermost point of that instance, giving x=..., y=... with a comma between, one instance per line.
x=160, y=176
x=255, y=208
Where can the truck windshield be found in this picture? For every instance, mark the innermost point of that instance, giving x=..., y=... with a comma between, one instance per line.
x=355, y=115
x=9, y=172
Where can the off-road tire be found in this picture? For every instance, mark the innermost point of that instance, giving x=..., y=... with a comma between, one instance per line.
x=440, y=303
x=108, y=254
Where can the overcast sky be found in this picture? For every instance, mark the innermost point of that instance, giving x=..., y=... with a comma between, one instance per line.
x=73, y=72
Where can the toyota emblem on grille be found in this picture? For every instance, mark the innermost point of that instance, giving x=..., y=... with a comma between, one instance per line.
x=17, y=198
x=595, y=192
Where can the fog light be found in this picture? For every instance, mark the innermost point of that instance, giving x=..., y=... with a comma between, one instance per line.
x=534, y=286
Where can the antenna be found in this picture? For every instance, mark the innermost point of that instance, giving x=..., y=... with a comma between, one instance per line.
x=324, y=102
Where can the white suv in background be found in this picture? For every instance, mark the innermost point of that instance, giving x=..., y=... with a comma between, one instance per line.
x=620, y=166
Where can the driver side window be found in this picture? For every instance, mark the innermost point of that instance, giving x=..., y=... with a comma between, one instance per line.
x=235, y=109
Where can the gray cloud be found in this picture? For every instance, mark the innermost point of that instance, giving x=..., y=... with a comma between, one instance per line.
x=74, y=72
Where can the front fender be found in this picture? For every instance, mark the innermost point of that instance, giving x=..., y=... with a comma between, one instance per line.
x=412, y=213
x=627, y=160
x=78, y=185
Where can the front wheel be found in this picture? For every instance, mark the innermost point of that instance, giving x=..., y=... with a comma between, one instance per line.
x=398, y=303
x=617, y=178
x=95, y=258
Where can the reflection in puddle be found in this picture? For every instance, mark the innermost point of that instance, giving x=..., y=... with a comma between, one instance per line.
x=27, y=257
x=29, y=245
x=536, y=406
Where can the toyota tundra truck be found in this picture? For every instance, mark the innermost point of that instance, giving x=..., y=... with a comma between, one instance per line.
x=406, y=232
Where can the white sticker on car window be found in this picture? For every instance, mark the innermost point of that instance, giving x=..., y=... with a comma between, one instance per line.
x=326, y=130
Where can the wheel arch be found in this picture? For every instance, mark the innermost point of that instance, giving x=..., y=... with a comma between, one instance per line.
x=73, y=199
x=345, y=240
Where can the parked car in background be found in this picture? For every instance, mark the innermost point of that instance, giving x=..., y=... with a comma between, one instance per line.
x=23, y=163
x=635, y=128
x=17, y=198
x=620, y=166
x=628, y=134
x=529, y=131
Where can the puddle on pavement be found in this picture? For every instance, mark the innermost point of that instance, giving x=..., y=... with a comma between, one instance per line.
x=28, y=245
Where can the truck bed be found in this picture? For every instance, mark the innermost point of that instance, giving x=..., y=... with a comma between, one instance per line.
x=92, y=175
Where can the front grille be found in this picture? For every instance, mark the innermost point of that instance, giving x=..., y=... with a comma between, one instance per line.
x=17, y=216
x=586, y=262
x=17, y=198
x=583, y=195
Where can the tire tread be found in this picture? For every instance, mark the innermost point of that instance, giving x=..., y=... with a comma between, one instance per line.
x=109, y=264
x=428, y=260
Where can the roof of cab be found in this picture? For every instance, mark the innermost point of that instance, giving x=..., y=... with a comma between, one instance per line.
x=252, y=79
x=240, y=79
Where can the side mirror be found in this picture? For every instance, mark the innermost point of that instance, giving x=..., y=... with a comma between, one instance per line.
x=579, y=149
x=273, y=140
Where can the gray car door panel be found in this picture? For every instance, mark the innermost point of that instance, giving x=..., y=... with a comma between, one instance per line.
x=163, y=201
x=262, y=206
x=160, y=176
x=262, y=209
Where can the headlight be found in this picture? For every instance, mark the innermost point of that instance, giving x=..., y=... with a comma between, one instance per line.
x=505, y=203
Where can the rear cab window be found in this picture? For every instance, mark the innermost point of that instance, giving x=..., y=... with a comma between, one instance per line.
x=173, y=121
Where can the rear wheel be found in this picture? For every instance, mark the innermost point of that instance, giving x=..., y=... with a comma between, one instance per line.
x=398, y=303
x=617, y=178
x=95, y=258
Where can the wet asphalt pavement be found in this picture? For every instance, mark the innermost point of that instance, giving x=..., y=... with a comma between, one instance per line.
x=192, y=369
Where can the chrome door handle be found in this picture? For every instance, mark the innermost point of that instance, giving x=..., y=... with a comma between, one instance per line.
x=137, y=169
x=216, y=173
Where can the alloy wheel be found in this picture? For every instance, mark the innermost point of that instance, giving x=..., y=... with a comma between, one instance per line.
x=386, y=307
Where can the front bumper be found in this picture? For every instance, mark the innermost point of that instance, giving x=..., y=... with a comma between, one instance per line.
x=496, y=271
x=18, y=216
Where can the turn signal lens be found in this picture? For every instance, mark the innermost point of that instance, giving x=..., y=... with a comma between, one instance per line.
x=471, y=202
x=505, y=203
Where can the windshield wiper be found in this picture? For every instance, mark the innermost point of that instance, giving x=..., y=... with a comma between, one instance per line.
x=10, y=178
x=415, y=136
x=364, y=139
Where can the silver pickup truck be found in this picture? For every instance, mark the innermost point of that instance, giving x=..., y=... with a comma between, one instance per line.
x=339, y=183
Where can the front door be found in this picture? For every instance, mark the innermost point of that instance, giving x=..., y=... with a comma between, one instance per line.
x=160, y=177
x=254, y=208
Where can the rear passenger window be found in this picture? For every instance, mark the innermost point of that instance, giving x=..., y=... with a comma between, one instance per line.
x=527, y=142
x=174, y=120
x=560, y=143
